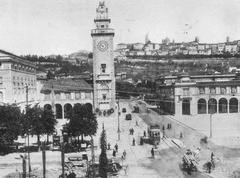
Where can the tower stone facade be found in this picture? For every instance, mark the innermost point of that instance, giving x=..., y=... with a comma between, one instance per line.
x=103, y=61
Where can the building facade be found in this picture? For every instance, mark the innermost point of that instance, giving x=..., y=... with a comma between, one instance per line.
x=61, y=95
x=103, y=61
x=205, y=94
x=17, y=80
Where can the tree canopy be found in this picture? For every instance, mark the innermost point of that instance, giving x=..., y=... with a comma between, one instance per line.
x=38, y=121
x=82, y=121
x=10, y=126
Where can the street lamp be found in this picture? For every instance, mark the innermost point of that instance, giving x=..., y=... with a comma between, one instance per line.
x=29, y=165
x=118, y=130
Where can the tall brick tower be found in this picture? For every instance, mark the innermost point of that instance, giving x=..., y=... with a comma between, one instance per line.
x=103, y=61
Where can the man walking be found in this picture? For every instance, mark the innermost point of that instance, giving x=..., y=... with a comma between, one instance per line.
x=152, y=152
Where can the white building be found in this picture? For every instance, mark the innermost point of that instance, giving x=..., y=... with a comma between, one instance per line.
x=103, y=62
x=17, y=80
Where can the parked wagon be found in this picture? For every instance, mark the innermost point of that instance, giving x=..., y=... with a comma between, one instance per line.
x=189, y=162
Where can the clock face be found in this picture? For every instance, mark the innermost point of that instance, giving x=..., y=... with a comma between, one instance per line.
x=102, y=46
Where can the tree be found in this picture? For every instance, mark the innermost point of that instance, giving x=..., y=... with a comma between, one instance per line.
x=38, y=122
x=50, y=75
x=9, y=126
x=32, y=123
x=103, y=161
x=49, y=122
x=82, y=121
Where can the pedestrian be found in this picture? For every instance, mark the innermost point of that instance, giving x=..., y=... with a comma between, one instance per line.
x=209, y=167
x=133, y=142
x=181, y=135
x=136, y=123
x=141, y=141
x=163, y=130
x=212, y=160
x=152, y=152
x=116, y=147
x=114, y=153
x=109, y=146
x=131, y=131
x=124, y=154
x=125, y=168
x=144, y=133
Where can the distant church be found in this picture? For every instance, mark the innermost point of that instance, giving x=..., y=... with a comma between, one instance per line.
x=103, y=61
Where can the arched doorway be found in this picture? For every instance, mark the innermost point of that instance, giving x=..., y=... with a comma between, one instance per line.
x=186, y=107
x=223, y=105
x=233, y=105
x=89, y=107
x=58, y=108
x=47, y=107
x=76, y=107
x=202, y=106
x=1, y=96
x=212, y=106
x=67, y=110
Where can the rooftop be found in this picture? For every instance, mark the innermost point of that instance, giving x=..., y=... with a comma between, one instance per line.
x=7, y=56
x=65, y=85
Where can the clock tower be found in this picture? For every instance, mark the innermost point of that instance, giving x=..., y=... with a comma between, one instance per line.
x=103, y=62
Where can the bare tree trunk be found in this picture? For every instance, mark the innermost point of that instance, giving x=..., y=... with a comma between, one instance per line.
x=78, y=144
x=38, y=140
x=47, y=139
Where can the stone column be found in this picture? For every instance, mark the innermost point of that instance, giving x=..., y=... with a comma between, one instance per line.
x=62, y=111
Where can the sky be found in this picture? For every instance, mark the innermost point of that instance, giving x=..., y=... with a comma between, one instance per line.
x=46, y=27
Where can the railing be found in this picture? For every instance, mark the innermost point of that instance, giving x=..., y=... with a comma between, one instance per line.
x=97, y=31
x=103, y=77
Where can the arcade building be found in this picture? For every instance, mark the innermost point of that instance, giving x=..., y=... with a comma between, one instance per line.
x=201, y=94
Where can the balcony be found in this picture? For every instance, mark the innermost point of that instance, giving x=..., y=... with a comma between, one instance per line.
x=96, y=32
x=103, y=77
x=104, y=101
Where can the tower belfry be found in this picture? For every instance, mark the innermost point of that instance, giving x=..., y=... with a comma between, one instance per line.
x=103, y=61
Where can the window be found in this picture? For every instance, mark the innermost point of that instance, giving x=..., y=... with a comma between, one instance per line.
x=88, y=95
x=103, y=68
x=77, y=96
x=213, y=90
x=223, y=90
x=1, y=80
x=185, y=91
x=58, y=96
x=233, y=89
x=47, y=97
x=102, y=26
x=104, y=96
x=68, y=96
x=201, y=90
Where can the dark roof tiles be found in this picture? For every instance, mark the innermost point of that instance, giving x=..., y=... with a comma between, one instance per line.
x=65, y=85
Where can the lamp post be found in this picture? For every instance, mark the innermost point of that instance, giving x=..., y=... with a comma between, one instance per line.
x=212, y=109
x=29, y=164
x=118, y=130
x=93, y=156
x=63, y=153
x=211, y=125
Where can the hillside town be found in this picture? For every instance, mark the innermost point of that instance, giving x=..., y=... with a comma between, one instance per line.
x=172, y=48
